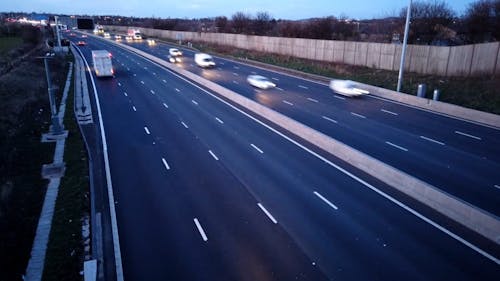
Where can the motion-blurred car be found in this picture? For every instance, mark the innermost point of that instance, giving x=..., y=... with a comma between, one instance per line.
x=346, y=88
x=107, y=35
x=174, y=52
x=81, y=43
x=128, y=38
x=174, y=59
x=260, y=82
x=118, y=37
x=84, y=36
x=204, y=60
x=151, y=42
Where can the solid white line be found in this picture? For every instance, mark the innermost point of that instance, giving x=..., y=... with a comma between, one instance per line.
x=147, y=131
x=349, y=174
x=275, y=78
x=142, y=82
x=287, y=102
x=431, y=140
x=358, y=115
x=326, y=200
x=256, y=148
x=193, y=101
x=218, y=120
x=184, y=124
x=467, y=135
x=165, y=105
x=213, y=155
x=200, y=229
x=164, y=81
x=303, y=87
x=390, y=112
x=125, y=94
x=339, y=97
x=279, y=88
x=329, y=119
x=152, y=92
x=177, y=90
x=235, y=82
x=267, y=213
x=396, y=146
x=133, y=107
x=313, y=100
x=165, y=163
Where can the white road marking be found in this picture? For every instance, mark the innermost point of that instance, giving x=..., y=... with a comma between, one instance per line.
x=133, y=107
x=191, y=65
x=253, y=72
x=213, y=155
x=145, y=67
x=236, y=67
x=142, y=82
x=358, y=115
x=267, y=213
x=235, y=74
x=497, y=186
x=303, y=87
x=164, y=81
x=235, y=82
x=329, y=119
x=256, y=148
x=147, y=130
x=396, y=146
x=177, y=90
x=125, y=94
x=287, y=102
x=313, y=100
x=135, y=74
x=152, y=92
x=390, y=112
x=123, y=64
x=154, y=73
x=218, y=120
x=165, y=105
x=339, y=97
x=184, y=124
x=200, y=229
x=165, y=163
x=128, y=69
x=221, y=63
x=326, y=200
x=219, y=68
x=279, y=88
x=275, y=78
x=467, y=135
x=119, y=84
x=431, y=140
x=193, y=101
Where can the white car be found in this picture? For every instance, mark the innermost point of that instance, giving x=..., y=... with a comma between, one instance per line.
x=128, y=38
x=346, y=88
x=151, y=42
x=107, y=35
x=118, y=37
x=260, y=82
x=174, y=52
x=174, y=59
x=204, y=60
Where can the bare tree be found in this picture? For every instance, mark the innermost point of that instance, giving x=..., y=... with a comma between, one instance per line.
x=262, y=23
x=482, y=20
x=221, y=24
x=241, y=22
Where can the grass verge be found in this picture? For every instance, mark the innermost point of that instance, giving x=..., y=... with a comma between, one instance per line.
x=9, y=43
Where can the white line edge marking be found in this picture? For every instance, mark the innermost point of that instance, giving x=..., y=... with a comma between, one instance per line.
x=147, y=130
x=193, y=101
x=184, y=124
x=358, y=115
x=388, y=111
x=218, y=120
x=431, y=140
x=165, y=105
x=349, y=174
x=111, y=198
x=326, y=200
x=200, y=229
x=213, y=155
x=329, y=119
x=287, y=102
x=267, y=213
x=165, y=163
x=467, y=135
x=256, y=148
x=313, y=100
x=396, y=146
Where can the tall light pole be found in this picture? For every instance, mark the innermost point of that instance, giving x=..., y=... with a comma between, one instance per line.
x=403, y=52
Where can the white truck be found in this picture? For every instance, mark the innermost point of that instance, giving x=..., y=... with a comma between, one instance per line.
x=135, y=34
x=101, y=60
x=204, y=60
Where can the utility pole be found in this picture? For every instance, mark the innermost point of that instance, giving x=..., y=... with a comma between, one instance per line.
x=56, y=125
x=403, y=52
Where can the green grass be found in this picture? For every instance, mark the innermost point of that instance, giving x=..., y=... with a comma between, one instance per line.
x=64, y=258
x=9, y=43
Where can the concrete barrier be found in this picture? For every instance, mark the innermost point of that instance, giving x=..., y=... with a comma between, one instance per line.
x=469, y=216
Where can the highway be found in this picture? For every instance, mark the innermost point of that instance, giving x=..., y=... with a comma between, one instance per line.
x=205, y=191
x=458, y=157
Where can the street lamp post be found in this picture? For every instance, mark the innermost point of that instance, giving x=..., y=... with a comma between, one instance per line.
x=56, y=125
x=403, y=52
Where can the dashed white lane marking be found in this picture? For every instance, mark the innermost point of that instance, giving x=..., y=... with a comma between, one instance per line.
x=326, y=200
x=339, y=97
x=303, y=87
x=142, y=82
x=193, y=101
x=235, y=82
x=497, y=186
x=279, y=88
x=119, y=84
x=165, y=105
x=267, y=213
x=152, y=92
x=467, y=135
x=390, y=112
x=184, y=124
x=256, y=148
x=213, y=155
x=235, y=74
x=236, y=67
x=313, y=100
x=125, y=94
x=396, y=146
x=135, y=74
x=218, y=120
x=253, y=72
x=287, y=102
x=123, y=64
x=133, y=107
x=147, y=130
x=177, y=90
x=128, y=69
x=431, y=140
x=200, y=230
x=358, y=115
x=145, y=67
x=165, y=163
x=154, y=73
x=275, y=78
x=164, y=81
x=329, y=119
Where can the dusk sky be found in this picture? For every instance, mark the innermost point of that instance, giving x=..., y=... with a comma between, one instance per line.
x=294, y=9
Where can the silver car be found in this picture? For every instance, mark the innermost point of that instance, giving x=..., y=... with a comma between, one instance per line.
x=260, y=82
x=346, y=88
